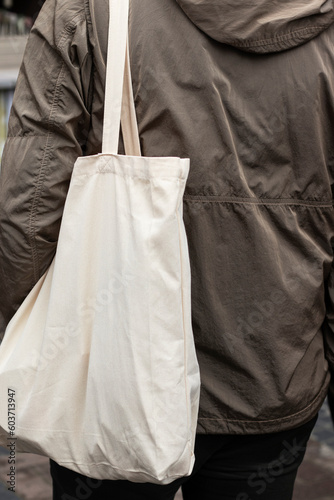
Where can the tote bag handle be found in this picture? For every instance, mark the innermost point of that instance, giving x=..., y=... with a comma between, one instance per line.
x=119, y=103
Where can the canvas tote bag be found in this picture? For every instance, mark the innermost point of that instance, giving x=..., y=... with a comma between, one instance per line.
x=98, y=368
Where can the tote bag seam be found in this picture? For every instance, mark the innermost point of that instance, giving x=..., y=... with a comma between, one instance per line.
x=103, y=464
x=105, y=170
x=183, y=324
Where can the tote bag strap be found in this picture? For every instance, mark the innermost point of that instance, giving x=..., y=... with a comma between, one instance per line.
x=119, y=104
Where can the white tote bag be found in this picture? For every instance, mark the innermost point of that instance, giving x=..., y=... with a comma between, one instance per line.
x=98, y=369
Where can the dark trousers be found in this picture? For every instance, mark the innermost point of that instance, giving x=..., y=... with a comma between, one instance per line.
x=228, y=467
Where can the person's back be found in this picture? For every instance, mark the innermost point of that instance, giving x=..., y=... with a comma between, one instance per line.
x=245, y=91
x=258, y=129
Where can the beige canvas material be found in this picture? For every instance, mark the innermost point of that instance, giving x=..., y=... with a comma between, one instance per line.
x=258, y=205
x=99, y=361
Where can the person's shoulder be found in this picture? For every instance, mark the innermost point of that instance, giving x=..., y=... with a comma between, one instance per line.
x=59, y=17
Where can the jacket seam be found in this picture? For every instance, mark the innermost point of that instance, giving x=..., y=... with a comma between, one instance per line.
x=282, y=38
x=41, y=176
x=313, y=402
x=68, y=28
x=25, y=136
x=97, y=44
x=3, y=275
x=87, y=12
x=258, y=201
x=90, y=96
x=67, y=31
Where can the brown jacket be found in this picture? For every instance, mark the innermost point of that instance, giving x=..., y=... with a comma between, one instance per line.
x=246, y=91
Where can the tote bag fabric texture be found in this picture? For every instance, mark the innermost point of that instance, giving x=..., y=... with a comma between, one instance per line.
x=98, y=369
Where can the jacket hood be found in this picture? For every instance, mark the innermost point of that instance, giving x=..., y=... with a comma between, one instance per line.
x=260, y=25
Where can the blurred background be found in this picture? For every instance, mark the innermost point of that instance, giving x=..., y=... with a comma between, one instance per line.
x=28, y=8
x=315, y=479
x=16, y=19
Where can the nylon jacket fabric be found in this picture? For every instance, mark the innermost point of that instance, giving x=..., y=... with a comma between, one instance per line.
x=249, y=99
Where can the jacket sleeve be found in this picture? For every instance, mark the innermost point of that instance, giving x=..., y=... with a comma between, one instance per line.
x=48, y=129
x=328, y=330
